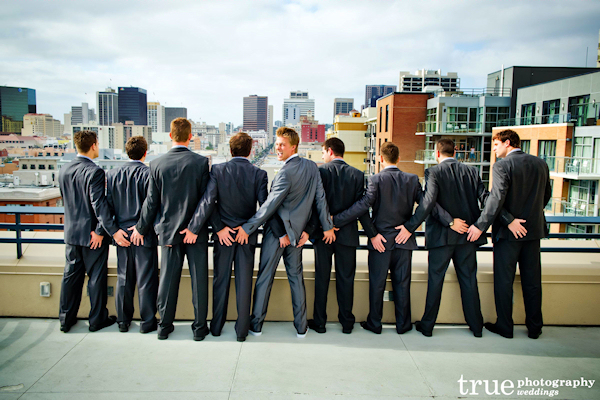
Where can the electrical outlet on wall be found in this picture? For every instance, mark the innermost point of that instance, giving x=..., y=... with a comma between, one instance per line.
x=45, y=289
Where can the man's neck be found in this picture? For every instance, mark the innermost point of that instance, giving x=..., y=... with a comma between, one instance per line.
x=337, y=158
x=185, y=144
x=385, y=165
x=89, y=155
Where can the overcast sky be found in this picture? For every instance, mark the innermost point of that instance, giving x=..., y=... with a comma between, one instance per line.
x=208, y=55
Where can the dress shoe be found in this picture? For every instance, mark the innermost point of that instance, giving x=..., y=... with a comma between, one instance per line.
x=241, y=338
x=419, y=328
x=254, y=333
x=317, y=328
x=107, y=322
x=365, y=326
x=123, y=327
x=347, y=331
x=301, y=335
x=403, y=331
x=164, y=333
x=477, y=334
x=65, y=328
x=494, y=329
x=534, y=335
x=148, y=330
x=199, y=338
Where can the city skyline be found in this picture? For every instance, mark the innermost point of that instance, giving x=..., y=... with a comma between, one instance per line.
x=176, y=73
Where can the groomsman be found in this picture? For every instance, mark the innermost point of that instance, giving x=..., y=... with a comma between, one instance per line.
x=87, y=217
x=294, y=189
x=126, y=189
x=392, y=194
x=177, y=182
x=230, y=200
x=343, y=186
x=521, y=185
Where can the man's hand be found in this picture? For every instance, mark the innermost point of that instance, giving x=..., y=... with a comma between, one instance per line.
x=225, y=237
x=329, y=236
x=402, y=236
x=517, y=229
x=136, y=238
x=474, y=233
x=377, y=242
x=303, y=239
x=284, y=241
x=96, y=241
x=190, y=238
x=460, y=226
x=121, y=238
x=242, y=236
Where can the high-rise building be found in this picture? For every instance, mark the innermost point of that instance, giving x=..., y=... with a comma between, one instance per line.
x=424, y=78
x=256, y=113
x=156, y=117
x=133, y=105
x=82, y=114
x=352, y=130
x=123, y=132
x=270, y=132
x=342, y=106
x=14, y=104
x=107, y=103
x=41, y=125
x=299, y=104
x=171, y=113
x=374, y=92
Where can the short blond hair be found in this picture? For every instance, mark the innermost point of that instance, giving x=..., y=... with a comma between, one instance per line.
x=289, y=133
x=181, y=129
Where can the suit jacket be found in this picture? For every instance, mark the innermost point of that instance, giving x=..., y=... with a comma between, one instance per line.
x=177, y=182
x=293, y=191
x=344, y=185
x=458, y=189
x=521, y=185
x=392, y=195
x=231, y=196
x=82, y=188
x=126, y=190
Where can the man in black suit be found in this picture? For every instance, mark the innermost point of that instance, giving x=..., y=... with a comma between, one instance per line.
x=343, y=186
x=177, y=182
x=87, y=217
x=521, y=185
x=126, y=190
x=230, y=200
x=392, y=195
x=458, y=189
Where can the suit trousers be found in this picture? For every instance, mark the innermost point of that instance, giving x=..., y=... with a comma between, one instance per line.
x=270, y=255
x=79, y=261
x=137, y=264
x=464, y=258
x=506, y=256
x=345, y=270
x=224, y=258
x=399, y=263
x=170, y=276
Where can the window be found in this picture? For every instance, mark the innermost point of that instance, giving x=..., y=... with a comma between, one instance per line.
x=431, y=125
x=387, y=116
x=50, y=166
x=32, y=166
x=547, y=151
x=578, y=107
x=583, y=147
x=24, y=166
x=581, y=197
x=526, y=146
x=528, y=114
x=493, y=115
x=42, y=166
x=550, y=111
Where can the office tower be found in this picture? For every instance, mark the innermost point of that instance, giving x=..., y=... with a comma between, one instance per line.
x=108, y=107
x=14, y=104
x=133, y=105
x=270, y=123
x=156, y=117
x=256, y=110
x=123, y=132
x=82, y=114
x=299, y=104
x=171, y=113
x=421, y=79
x=41, y=125
x=374, y=92
x=342, y=106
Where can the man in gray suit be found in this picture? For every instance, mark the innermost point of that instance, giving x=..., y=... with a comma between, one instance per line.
x=294, y=190
x=177, y=182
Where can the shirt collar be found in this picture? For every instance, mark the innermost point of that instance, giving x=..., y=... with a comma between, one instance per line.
x=391, y=166
x=448, y=159
x=138, y=161
x=513, y=150
x=290, y=157
x=339, y=160
x=179, y=146
x=239, y=157
x=82, y=156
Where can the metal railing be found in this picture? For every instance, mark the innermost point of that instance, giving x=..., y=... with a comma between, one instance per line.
x=573, y=207
x=19, y=227
x=538, y=120
x=449, y=127
x=473, y=92
x=576, y=166
x=465, y=156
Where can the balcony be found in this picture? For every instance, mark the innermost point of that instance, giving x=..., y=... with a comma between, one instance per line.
x=451, y=128
x=569, y=208
x=468, y=157
x=538, y=120
x=573, y=167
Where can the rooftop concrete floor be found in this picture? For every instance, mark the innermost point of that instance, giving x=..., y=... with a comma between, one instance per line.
x=37, y=361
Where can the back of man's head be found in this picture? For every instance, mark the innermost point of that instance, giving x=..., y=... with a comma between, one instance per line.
x=181, y=129
x=84, y=140
x=336, y=145
x=240, y=145
x=390, y=152
x=289, y=133
x=445, y=147
x=508, y=134
x=136, y=147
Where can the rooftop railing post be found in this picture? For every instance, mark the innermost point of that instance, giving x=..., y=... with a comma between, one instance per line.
x=18, y=233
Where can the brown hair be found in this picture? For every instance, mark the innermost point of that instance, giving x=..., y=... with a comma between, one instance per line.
x=136, y=147
x=390, y=152
x=508, y=134
x=180, y=130
x=289, y=133
x=336, y=145
x=240, y=145
x=445, y=147
x=84, y=140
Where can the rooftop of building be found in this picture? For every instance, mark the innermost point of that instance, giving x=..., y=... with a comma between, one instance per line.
x=21, y=193
x=542, y=67
x=597, y=71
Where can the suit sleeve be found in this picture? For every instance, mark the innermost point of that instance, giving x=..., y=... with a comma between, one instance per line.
x=99, y=203
x=111, y=204
x=150, y=207
x=279, y=189
x=322, y=207
x=207, y=209
x=426, y=204
x=360, y=207
x=548, y=191
x=496, y=199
